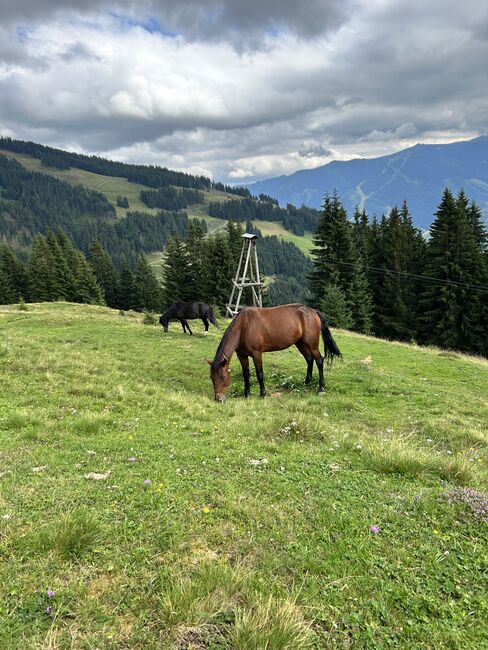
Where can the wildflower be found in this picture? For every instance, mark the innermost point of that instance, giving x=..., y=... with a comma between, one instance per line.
x=359, y=447
x=147, y=481
x=50, y=593
x=374, y=529
x=132, y=459
x=48, y=610
x=206, y=510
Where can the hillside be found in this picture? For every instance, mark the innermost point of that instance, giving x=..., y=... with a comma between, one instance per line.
x=161, y=519
x=418, y=175
x=112, y=180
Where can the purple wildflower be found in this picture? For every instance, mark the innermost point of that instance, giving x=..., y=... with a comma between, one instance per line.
x=50, y=593
x=477, y=502
x=374, y=529
x=147, y=481
x=48, y=610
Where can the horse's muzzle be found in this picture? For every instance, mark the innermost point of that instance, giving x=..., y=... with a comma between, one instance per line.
x=220, y=398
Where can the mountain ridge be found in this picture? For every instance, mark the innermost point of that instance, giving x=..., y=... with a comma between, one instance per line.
x=417, y=174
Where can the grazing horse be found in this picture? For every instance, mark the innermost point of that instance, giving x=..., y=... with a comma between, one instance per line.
x=188, y=310
x=256, y=330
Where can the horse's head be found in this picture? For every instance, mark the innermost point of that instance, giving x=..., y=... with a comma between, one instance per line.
x=164, y=322
x=220, y=376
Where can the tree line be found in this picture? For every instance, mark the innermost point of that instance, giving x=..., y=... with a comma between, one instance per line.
x=170, y=198
x=384, y=277
x=297, y=220
x=150, y=175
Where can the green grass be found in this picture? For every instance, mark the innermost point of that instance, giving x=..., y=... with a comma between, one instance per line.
x=217, y=551
x=273, y=228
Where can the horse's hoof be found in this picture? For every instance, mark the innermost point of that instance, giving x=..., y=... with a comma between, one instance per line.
x=321, y=391
x=205, y=333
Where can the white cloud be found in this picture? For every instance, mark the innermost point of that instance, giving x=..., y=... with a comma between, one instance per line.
x=273, y=91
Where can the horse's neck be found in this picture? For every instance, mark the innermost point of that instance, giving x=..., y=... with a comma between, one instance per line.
x=232, y=342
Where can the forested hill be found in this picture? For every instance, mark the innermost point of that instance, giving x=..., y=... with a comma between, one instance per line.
x=129, y=208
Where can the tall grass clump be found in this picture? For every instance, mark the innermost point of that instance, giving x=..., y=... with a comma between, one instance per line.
x=271, y=624
x=72, y=536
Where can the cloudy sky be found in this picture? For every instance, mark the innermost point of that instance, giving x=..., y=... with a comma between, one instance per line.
x=243, y=89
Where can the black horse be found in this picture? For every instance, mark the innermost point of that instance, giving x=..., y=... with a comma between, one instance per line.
x=188, y=310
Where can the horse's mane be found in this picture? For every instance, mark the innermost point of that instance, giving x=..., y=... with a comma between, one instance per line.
x=169, y=312
x=219, y=355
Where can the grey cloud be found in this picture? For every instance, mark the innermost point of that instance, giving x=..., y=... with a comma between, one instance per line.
x=395, y=74
x=313, y=149
x=233, y=20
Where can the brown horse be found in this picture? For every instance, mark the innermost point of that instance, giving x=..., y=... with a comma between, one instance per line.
x=256, y=330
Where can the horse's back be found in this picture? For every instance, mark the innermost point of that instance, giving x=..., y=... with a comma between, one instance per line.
x=276, y=328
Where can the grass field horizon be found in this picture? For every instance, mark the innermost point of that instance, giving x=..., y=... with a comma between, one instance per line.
x=135, y=512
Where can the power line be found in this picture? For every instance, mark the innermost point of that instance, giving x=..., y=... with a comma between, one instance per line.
x=425, y=278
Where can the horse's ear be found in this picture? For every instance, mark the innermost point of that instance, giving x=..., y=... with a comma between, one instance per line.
x=209, y=362
x=224, y=362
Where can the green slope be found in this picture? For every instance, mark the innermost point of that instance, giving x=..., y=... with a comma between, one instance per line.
x=254, y=530
x=111, y=186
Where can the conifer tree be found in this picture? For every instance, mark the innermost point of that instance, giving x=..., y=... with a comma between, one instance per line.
x=6, y=290
x=196, y=263
x=125, y=294
x=337, y=263
x=176, y=274
x=14, y=271
x=105, y=273
x=86, y=288
x=39, y=271
x=147, y=291
x=220, y=261
x=61, y=275
x=452, y=308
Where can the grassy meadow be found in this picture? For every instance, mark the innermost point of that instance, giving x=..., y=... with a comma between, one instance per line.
x=135, y=512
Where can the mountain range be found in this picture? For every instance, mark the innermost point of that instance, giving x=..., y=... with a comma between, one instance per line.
x=417, y=174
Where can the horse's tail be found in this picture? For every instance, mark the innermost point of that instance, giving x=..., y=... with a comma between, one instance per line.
x=330, y=346
x=212, y=318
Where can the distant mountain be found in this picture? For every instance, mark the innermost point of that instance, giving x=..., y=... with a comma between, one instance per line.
x=418, y=174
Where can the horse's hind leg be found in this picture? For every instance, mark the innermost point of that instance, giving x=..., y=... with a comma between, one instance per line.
x=257, y=357
x=205, y=322
x=319, y=360
x=308, y=356
x=244, y=359
x=182, y=321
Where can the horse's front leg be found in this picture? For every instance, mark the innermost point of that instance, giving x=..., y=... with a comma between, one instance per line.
x=182, y=321
x=257, y=357
x=186, y=323
x=246, y=374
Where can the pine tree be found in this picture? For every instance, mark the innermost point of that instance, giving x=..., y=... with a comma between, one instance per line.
x=176, y=273
x=220, y=261
x=125, y=293
x=6, y=290
x=86, y=288
x=452, y=308
x=61, y=275
x=147, y=291
x=197, y=268
x=14, y=271
x=39, y=271
x=105, y=273
x=337, y=263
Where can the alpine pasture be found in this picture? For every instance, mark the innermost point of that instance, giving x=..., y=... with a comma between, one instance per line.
x=135, y=512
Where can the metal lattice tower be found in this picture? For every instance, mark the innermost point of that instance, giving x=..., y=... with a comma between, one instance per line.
x=247, y=275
